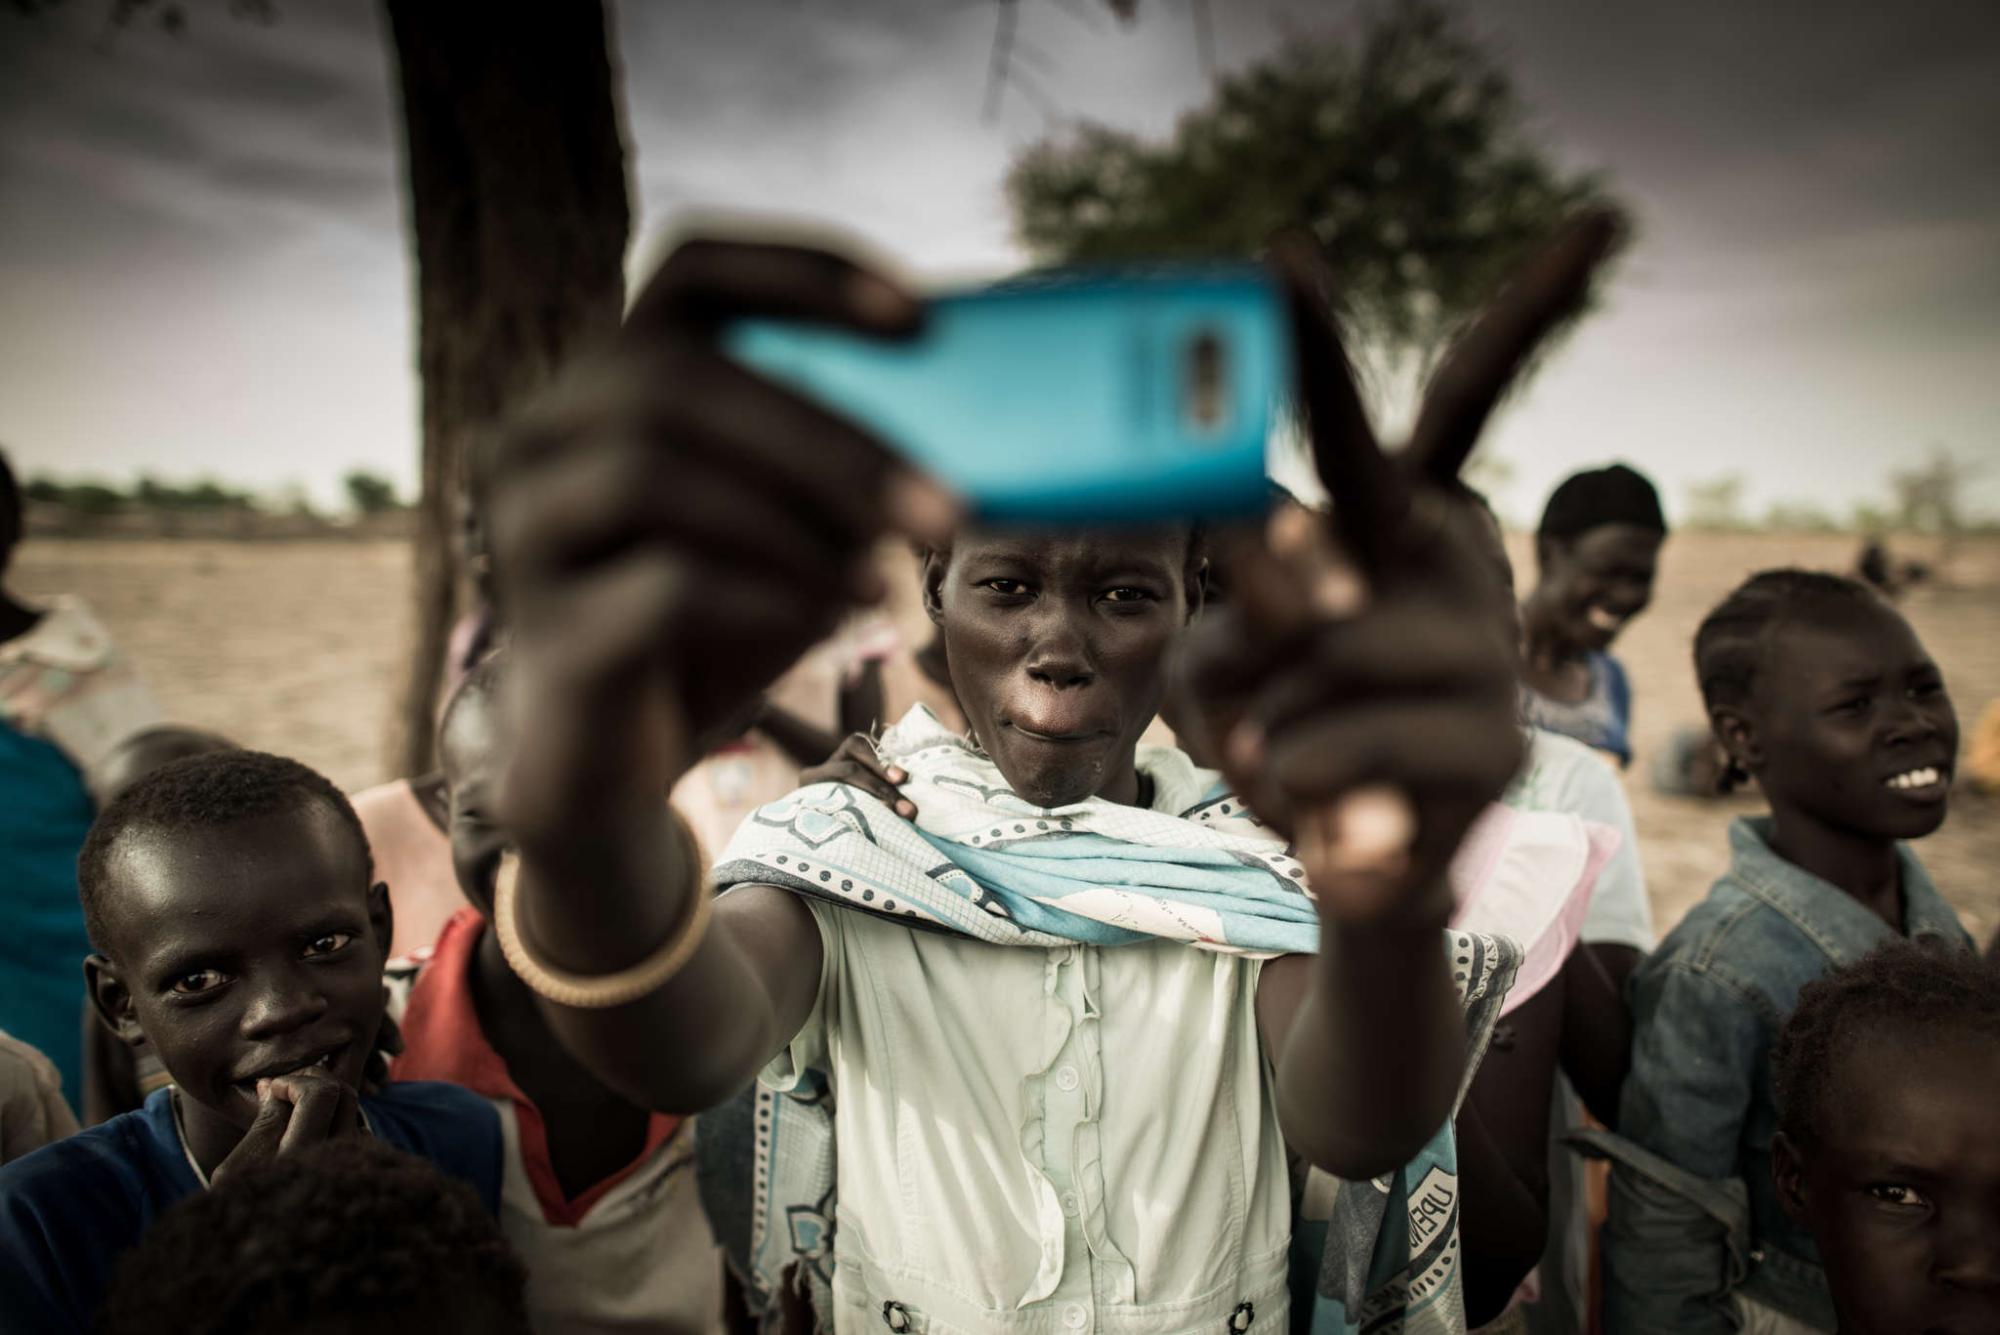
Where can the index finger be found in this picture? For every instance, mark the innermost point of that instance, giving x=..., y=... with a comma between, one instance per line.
x=1483, y=362
x=1365, y=488
x=709, y=280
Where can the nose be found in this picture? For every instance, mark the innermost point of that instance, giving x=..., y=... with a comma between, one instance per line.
x=283, y=1002
x=1059, y=651
x=1910, y=721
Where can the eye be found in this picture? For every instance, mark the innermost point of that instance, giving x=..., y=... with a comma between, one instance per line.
x=1853, y=707
x=1926, y=688
x=328, y=944
x=1898, y=1196
x=1006, y=588
x=197, y=981
x=1127, y=594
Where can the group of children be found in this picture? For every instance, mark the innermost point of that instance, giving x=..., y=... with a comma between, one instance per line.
x=1018, y=1022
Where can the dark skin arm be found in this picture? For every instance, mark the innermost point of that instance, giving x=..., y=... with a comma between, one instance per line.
x=661, y=503
x=1503, y=1138
x=1597, y=1025
x=1362, y=703
x=805, y=743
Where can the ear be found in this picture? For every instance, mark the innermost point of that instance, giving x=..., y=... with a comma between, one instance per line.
x=935, y=564
x=1737, y=735
x=381, y=916
x=1788, y=1176
x=111, y=998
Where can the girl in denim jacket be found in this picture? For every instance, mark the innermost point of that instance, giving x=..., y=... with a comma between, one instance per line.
x=1820, y=691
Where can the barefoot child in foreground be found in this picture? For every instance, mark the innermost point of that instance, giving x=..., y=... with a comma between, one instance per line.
x=1047, y=1112
x=239, y=931
x=1822, y=692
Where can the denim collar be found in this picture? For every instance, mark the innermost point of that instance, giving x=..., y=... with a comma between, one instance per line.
x=1835, y=921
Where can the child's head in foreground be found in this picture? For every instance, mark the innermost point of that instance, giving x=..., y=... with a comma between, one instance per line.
x=347, y=1237
x=1887, y=1078
x=238, y=927
x=1819, y=690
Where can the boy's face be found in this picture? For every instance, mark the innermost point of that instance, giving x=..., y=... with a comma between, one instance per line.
x=1902, y=1191
x=245, y=951
x=1848, y=716
x=1057, y=645
x=1599, y=580
x=474, y=764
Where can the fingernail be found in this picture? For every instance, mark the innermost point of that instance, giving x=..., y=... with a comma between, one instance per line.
x=263, y=1088
x=897, y=775
x=1339, y=592
x=906, y=809
x=1376, y=826
x=1245, y=745
x=878, y=302
x=1289, y=531
x=921, y=508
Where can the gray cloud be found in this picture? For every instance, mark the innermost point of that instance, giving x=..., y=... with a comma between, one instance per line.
x=1812, y=296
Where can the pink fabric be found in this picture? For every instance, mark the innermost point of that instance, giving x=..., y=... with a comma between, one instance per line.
x=1509, y=885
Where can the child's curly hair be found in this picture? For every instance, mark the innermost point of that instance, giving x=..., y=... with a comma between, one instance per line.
x=349, y=1235
x=1904, y=988
x=202, y=792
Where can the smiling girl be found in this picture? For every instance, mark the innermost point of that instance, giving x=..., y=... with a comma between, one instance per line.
x=1820, y=691
x=1598, y=546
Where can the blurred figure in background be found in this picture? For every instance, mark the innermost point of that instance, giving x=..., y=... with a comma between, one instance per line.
x=67, y=698
x=1597, y=548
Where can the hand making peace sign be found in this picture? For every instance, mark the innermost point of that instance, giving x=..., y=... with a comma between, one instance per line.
x=1356, y=687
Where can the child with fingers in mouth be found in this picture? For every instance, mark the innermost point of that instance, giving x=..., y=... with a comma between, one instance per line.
x=239, y=929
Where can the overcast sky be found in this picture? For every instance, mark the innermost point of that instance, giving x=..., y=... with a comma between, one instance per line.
x=203, y=269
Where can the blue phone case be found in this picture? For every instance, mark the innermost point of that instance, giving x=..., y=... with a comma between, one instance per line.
x=1069, y=396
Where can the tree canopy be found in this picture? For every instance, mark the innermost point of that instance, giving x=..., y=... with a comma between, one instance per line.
x=1405, y=153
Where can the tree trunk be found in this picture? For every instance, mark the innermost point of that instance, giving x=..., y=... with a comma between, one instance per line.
x=517, y=200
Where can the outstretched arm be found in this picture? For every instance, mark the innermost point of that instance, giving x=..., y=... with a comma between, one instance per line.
x=1360, y=696
x=648, y=531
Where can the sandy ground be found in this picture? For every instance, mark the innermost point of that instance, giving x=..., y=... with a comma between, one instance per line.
x=294, y=647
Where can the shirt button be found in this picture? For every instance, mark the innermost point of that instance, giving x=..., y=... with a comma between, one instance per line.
x=1069, y=1202
x=1075, y=1317
x=1067, y=1080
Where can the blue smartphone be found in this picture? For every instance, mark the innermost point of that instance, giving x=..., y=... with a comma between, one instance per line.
x=1068, y=396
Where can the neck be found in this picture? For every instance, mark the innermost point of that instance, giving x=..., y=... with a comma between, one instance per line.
x=16, y=618
x=1865, y=866
x=1543, y=644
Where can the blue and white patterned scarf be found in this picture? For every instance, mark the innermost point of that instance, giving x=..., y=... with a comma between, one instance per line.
x=1196, y=867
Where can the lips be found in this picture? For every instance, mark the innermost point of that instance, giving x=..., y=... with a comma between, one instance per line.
x=323, y=1058
x=1051, y=717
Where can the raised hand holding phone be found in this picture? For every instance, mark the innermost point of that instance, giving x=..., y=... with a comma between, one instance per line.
x=672, y=531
